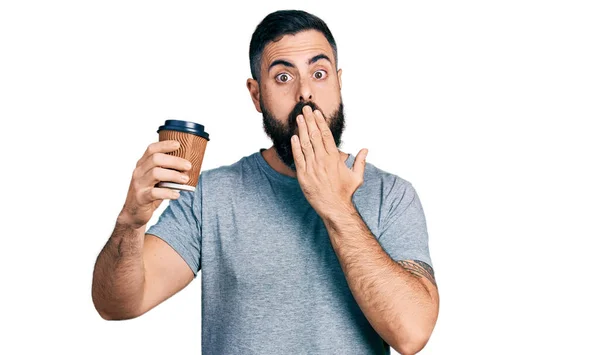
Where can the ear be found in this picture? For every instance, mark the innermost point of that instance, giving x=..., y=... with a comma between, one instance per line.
x=339, y=73
x=254, y=90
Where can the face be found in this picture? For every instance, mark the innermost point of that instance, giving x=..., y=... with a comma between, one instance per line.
x=297, y=70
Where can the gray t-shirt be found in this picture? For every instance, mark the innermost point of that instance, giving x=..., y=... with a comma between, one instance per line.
x=271, y=281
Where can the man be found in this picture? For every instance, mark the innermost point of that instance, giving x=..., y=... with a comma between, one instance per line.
x=303, y=248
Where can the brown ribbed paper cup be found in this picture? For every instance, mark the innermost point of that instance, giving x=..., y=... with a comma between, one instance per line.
x=193, y=140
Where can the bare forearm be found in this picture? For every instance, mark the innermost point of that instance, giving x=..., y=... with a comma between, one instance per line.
x=118, y=281
x=398, y=305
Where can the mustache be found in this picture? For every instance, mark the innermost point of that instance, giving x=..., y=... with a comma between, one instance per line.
x=297, y=110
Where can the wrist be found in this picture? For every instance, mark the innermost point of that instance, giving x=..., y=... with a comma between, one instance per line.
x=339, y=215
x=124, y=221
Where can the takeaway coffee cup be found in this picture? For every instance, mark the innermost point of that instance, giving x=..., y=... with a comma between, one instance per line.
x=193, y=140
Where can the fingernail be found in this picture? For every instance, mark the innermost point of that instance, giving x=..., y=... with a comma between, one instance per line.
x=184, y=178
x=300, y=119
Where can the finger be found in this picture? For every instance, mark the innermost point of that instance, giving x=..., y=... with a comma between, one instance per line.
x=305, y=144
x=158, y=174
x=314, y=133
x=360, y=162
x=157, y=193
x=298, y=155
x=328, y=140
x=165, y=146
x=164, y=161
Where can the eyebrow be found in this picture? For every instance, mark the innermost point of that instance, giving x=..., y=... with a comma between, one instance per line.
x=290, y=65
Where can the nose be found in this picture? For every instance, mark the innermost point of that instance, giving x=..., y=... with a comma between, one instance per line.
x=304, y=91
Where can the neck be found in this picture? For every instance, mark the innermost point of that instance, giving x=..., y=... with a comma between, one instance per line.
x=273, y=160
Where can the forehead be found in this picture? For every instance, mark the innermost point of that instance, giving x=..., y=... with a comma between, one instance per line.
x=297, y=47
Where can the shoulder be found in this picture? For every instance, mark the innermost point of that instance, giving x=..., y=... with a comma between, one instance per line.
x=233, y=170
x=226, y=175
x=382, y=195
x=387, y=184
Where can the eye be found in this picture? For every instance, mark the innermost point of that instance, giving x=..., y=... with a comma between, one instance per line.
x=283, y=77
x=320, y=74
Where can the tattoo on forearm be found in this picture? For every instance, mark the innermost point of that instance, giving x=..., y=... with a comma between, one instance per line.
x=419, y=269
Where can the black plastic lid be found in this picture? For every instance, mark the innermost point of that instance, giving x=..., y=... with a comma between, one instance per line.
x=184, y=126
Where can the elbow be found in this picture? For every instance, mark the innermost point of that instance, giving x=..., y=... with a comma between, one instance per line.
x=116, y=313
x=414, y=336
x=410, y=345
x=106, y=316
x=115, y=316
x=409, y=349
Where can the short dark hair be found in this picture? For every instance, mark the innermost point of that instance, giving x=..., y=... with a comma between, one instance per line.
x=280, y=23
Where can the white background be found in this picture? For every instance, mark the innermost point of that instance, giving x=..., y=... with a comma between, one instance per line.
x=489, y=109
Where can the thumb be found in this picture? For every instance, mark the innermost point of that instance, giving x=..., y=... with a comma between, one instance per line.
x=360, y=162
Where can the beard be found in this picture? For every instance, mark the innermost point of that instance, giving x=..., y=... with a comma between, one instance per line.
x=281, y=134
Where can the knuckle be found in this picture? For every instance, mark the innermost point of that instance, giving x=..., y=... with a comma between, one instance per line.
x=151, y=149
x=155, y=159
x=326, y=134
x=135, y=177
x=315, y=134
x=135, y=188
x=306, y=144
x=155, y=172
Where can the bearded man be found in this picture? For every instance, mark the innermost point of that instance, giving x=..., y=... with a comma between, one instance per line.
x=303, y=248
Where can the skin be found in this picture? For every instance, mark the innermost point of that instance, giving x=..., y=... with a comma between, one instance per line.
x=135, y=272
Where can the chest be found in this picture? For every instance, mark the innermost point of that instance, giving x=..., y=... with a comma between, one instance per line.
x=270, y=240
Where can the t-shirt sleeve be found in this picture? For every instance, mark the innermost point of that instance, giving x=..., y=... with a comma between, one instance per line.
x=180, y=226
x=403, y=233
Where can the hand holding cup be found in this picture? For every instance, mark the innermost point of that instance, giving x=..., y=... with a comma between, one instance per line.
x=155, y=166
